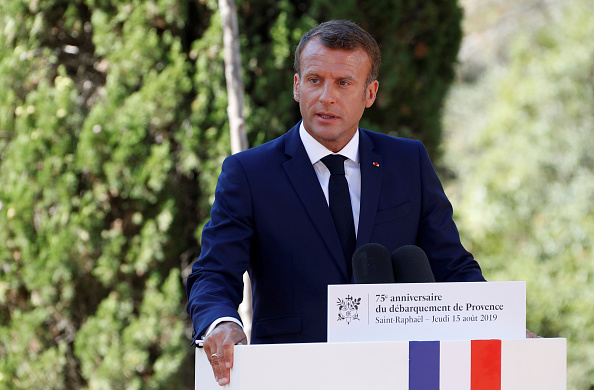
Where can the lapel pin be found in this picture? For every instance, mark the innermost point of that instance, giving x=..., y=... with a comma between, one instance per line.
x=375, y=164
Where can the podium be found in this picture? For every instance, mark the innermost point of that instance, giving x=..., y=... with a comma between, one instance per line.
x=396, y=365
x=480, y=327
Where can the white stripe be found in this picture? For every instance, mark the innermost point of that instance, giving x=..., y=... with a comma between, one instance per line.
x=454, y=367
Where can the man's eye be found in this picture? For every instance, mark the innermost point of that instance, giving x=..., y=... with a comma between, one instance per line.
x=314, y=81
x=343, y=82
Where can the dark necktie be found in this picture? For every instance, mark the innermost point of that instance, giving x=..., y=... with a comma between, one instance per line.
x=340, y=206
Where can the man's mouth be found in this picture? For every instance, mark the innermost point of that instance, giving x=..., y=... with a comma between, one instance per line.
x=326, y=116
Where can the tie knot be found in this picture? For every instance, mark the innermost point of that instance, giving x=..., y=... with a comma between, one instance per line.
x=334, y=163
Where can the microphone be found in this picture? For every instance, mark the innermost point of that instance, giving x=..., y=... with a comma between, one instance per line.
x=371, y=264
x=411, y=265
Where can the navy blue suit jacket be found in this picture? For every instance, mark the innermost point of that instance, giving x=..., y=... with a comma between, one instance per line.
x=270, y=217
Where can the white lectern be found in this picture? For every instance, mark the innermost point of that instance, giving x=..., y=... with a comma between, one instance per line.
x=397, y=365
x=378, y=320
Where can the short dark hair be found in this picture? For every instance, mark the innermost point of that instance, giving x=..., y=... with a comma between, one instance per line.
x=343, y=35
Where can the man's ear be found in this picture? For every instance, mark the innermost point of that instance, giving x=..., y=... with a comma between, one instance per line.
x=371, y=93
x=296, y=81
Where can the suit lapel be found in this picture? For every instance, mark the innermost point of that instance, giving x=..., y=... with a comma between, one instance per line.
x=305, y=182
x=371, y=184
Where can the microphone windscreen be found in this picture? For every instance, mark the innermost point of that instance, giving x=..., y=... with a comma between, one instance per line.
x=371, y=264
x=411, y=265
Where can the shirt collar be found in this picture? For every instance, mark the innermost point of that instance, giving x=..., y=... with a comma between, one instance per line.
x=316, y=151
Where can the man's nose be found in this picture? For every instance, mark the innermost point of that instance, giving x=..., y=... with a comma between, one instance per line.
x=328, y=95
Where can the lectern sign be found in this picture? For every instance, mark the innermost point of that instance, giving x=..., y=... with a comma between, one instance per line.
x=426, y=311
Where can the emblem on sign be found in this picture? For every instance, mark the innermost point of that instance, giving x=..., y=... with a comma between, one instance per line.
x=348, y=309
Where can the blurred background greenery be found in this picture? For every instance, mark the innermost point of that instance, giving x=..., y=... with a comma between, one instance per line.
x=113, y=129
x=519, y=139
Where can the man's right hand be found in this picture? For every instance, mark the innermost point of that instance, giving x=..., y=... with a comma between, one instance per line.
x=218, y=346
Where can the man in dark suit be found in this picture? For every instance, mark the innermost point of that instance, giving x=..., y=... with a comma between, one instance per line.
x=271, y=213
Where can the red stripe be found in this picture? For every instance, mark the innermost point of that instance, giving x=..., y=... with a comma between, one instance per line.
x=485, y=371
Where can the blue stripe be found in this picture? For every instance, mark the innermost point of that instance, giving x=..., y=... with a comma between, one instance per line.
x=423, y=369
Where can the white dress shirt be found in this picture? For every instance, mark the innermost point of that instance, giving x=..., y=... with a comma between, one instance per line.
x=316, y=151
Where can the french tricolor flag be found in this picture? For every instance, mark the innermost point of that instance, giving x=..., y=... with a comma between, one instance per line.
x=469, y=365
x=435, y=365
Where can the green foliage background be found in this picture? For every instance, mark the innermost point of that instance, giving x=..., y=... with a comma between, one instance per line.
x=521, y=142
x=112, y=132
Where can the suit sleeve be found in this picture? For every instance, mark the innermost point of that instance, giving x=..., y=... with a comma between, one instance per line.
x=215, y=286
x=438, y=234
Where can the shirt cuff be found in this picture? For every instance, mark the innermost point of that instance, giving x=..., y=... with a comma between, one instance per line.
x=218, y=321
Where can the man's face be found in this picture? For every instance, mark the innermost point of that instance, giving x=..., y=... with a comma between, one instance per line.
x=332, y=92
